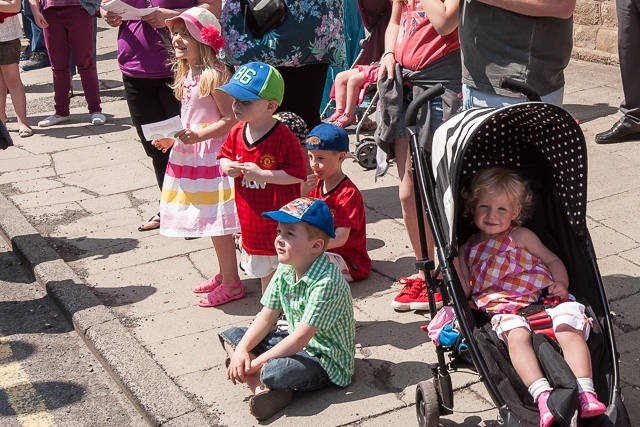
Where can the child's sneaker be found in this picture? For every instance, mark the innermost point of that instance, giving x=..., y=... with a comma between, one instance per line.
x=413, y=288
x=546, y=417
x=422, y=301
x=590, y=406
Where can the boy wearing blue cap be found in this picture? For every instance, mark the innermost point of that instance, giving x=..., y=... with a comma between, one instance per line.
x=328, y=146
x=266, y=161
x=319, y=347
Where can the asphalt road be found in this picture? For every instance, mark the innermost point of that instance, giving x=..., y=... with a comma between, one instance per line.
x=48, y=377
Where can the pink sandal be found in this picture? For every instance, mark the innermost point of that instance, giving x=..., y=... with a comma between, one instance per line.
x=345, y=120
x=208, y=285
x=220, y=296
x=590, y=406
x=335, y=116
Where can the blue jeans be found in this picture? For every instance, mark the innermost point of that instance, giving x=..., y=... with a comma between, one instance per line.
x=476, y=98
x=31, y=30
x=300, y=372
x=436, y=116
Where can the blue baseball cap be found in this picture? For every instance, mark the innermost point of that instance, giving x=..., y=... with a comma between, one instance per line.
x=327, y=136
x=255, y=80
x=305, y=209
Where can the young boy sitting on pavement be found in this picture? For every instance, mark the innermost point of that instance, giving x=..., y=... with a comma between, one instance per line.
x=328, y=146
x=319, y=347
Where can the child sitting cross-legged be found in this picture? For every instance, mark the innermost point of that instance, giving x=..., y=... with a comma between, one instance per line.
x=505, y=267
x=319, y=347
x=328, y=147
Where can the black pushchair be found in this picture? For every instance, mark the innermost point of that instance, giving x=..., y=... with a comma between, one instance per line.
x=546, y=146
x=375, y=16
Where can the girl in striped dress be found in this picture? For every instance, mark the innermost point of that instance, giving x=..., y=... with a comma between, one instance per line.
x=197, y=198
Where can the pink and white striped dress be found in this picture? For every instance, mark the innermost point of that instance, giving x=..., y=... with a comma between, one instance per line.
x=197, y=199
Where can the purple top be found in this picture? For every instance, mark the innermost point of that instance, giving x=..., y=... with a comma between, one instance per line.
x=141, y=51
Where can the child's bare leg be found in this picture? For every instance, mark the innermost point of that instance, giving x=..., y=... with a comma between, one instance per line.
x=226, y=253
x=522, y=356
x=354, y=85
x=264, y=281
x=11, y=77
x=577, y=352
x=340, y=87
x=3, y=99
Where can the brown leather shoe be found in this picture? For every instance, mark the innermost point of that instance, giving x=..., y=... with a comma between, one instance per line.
x=620, y=132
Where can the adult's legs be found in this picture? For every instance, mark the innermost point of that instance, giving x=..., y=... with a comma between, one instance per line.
x=308, y=80
x=33, y=32
x=80, y=29
x=628, y=47
x=150, y=101
x=57, y=42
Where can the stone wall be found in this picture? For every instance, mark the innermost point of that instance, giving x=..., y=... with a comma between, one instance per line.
x=595, y=31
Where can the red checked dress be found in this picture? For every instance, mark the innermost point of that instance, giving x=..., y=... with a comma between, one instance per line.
x=504, y=277
x=197, y=198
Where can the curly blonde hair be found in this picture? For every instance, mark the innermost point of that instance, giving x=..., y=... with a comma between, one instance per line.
x=497, y=180
x=213, y=72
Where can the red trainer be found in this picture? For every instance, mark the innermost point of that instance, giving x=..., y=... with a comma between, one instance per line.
x=546, y=417
x=413, y=287
x=422, y=301
x=590, y=406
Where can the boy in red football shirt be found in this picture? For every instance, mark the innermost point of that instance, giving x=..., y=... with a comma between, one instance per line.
x=266, y=161
x=328, y=146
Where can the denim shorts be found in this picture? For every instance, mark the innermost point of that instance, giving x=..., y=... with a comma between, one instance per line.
x=436, y=116
x=475, y=98
x=300, y=372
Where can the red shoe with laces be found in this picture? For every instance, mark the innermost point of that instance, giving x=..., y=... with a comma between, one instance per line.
x=414, y=295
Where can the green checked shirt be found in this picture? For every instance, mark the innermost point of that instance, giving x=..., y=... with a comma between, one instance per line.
x=322, y=299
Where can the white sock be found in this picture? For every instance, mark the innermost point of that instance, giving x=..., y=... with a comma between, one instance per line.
x=586, y=384
x=539, y=387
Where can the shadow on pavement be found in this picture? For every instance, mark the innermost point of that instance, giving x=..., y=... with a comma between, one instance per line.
x=404, y=336
x=124, y=295
x=84, y=247
x=586, y=113
x=55, y=394
x=44, y=320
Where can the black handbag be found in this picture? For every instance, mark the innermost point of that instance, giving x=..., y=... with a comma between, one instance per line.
x=261, y=16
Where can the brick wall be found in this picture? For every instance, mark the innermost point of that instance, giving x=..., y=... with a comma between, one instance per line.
x=595, y=31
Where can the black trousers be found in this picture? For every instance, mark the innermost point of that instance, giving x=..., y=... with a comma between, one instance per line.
x=150, y=101
x=303, y=90
x=629, y=52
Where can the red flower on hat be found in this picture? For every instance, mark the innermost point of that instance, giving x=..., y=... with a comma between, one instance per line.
x=212, y=37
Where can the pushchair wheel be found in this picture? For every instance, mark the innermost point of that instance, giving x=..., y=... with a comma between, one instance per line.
x=366, y=154
x=427, y=404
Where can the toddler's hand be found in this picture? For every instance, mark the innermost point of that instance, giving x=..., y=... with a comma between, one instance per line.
x=188, y=136
x=250, y=170
x=558, y=290
x=163, y=144
x=308, y=185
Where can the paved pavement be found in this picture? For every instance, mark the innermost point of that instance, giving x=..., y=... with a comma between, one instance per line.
x=72, y=197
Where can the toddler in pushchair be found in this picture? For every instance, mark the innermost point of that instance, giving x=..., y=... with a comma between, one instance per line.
x=545, y=147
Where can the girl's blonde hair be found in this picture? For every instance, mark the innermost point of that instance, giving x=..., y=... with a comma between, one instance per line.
x=213, y=72
x=498, y=180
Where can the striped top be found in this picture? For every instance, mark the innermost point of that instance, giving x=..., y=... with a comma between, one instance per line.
x=322, y=299
x=504, y=277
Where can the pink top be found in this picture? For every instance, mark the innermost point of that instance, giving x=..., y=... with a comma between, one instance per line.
x=504, y=277
x=418, y=43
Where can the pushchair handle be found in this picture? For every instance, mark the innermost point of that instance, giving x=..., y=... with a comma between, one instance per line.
x=520, y=87
x=414, y=107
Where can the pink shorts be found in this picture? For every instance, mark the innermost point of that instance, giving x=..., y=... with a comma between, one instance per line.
x=370, y=72
x=568, y=313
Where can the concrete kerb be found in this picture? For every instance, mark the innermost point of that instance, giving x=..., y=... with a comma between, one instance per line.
x=154, y=394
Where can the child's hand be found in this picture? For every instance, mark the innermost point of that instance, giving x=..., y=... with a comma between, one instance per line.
x=558, y=289
x=163, y=144
x=188, y=136
x=239, y=366
x=234, y=170
x=308, y=185
x=251, y=171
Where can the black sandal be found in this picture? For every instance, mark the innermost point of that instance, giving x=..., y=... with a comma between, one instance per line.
x=154, y=221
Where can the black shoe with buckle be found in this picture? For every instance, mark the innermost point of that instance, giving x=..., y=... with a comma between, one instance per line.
x=620, y=132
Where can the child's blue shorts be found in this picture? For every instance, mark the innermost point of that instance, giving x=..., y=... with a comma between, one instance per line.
x=300, y=372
